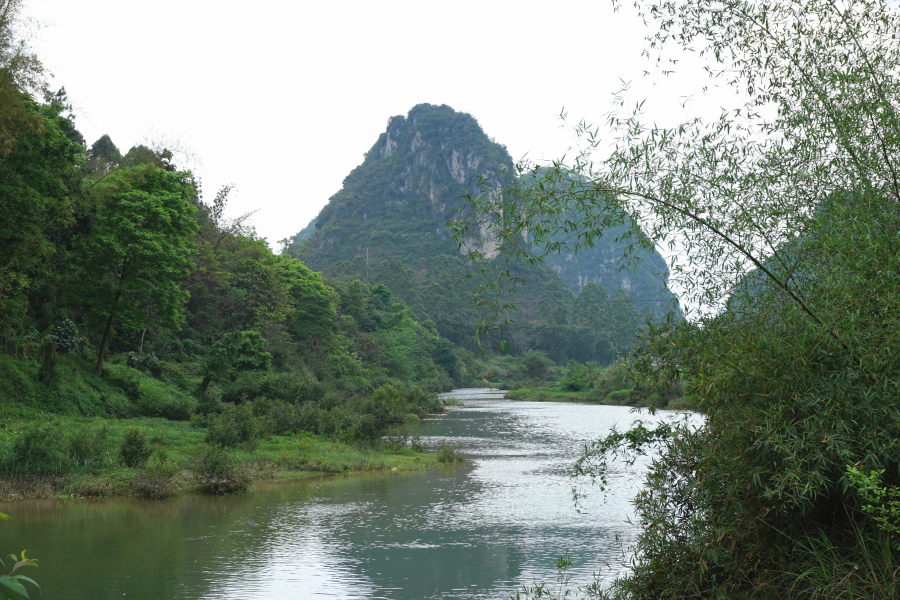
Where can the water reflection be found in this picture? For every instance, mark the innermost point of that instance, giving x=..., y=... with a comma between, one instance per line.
x=473, y=531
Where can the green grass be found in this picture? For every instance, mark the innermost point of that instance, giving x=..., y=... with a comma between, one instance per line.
x=556, y=393
x=623, y=397
x=275, y=458
x=63, y=439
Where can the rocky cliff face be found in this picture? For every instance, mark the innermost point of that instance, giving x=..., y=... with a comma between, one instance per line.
x=413, y=179
x=602, y=265
x=395, y=205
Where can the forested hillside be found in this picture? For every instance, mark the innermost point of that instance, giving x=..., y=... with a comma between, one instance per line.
x=150, y=342
x=786, y=210
x=389, y=224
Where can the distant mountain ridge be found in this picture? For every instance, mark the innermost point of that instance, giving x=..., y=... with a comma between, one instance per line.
x=395, y=205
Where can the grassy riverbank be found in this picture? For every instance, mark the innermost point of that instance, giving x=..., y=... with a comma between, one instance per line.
x=129, y=432
x=623, y=397
x=70, y=457
x=602, y=385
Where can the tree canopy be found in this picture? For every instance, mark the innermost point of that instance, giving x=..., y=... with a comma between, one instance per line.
x=136, y=249
x=783, y=217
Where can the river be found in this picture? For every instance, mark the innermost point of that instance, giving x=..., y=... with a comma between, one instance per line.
x=477, y=530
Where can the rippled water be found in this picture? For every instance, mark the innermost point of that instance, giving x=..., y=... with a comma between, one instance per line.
x=473, y=531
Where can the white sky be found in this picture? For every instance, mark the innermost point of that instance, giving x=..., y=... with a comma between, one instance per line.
x=283, y=98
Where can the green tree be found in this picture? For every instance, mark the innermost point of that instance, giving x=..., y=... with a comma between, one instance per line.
x=104, y=150
x=591, y=308
x=556, y=303
x=60, y=100
x=784, y=215
x=311, y=313
x=136, y=250
x=40, y=186
x=623, y=320
x=140, y=155
x=235, y=353
x=400, y=279
x=21, y=80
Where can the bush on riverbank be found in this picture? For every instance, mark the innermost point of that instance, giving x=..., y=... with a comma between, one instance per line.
x=157, y=479
x=215, y=471
x=173, y=448
x=82, y=423
x=606, y=385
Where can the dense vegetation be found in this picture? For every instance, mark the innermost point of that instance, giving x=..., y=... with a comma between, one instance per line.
x=786, y=211
x=388, y=224
x=141, y=328
x=588, y=327
x=143, y=333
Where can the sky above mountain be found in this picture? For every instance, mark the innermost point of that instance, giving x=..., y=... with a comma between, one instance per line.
x=282, y=99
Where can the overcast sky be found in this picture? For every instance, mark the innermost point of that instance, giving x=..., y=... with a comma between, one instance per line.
x=283, y=98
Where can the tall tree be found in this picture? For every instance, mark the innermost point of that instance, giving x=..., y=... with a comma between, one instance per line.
x=591, y=309
x=21, y=79
x=105, y=152
x=40, y=185
x=136, y=249
x=623, y=319
x=786, y=214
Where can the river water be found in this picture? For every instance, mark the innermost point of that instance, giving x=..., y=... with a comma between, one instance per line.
x=477, y=530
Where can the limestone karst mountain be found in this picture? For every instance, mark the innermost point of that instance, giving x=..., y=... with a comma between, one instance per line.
x=395, y=205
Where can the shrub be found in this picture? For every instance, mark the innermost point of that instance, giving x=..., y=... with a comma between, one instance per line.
x=215, y=472
x=144, y=362
x=386, y=405
x=173, y=375
x=134, y=450
x=880, y=502
x=578, y=377
x=619, y=397
x=209, y=404
x=276, y=416
x=536, y=364
x=89, y=446
x=447, y=454
x=613, y=378
x=308, y=417
x=235, y=425
x=421, y=401
x=67, y=339
x=173, y=407
x=363, y=429
x=339, y=421
x=37, y=449
x=157, y=479
x=295, y=388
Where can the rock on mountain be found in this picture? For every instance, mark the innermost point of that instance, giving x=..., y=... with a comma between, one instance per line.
x=394, y=206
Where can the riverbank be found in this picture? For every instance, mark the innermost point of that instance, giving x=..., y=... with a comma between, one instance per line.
x=624, y=397
x=495, y=523
x=77, y=457
x=589, y=383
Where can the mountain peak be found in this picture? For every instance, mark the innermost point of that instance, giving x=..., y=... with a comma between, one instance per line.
x=412, y=180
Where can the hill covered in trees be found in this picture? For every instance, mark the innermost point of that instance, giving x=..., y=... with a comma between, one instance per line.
x=389, y=222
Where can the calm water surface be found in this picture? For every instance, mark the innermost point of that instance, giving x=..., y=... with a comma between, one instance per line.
x=473, y=531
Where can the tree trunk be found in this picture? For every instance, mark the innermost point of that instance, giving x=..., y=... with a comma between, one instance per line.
x=205, y=383
x=106, y=334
